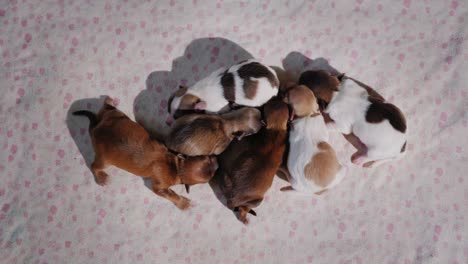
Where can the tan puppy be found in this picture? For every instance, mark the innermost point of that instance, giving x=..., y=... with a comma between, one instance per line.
x=247, y=167
x=286, y=78
x=312, y=162
x=203, y=134
x=119, y=141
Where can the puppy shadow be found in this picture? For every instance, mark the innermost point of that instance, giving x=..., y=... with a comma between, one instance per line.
x=296, y=63
x=201, y=57
x=78, y=126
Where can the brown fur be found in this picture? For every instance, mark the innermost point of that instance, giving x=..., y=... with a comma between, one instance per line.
x=378, y=111
x=227, y=81
x=322, y=83
x=181, y=91
x=303, y=101
x=323, y=166
x=286, y=78
x=247, y=167
x=255, y=70
x=201, y=134
x=119, y=141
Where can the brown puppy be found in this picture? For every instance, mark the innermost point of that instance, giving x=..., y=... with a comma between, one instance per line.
x=323, y=84
x=286, y=78
x=200, y=134
x=247, y=167
x=119, y=141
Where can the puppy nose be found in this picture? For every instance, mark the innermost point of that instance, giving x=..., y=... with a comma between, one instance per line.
x=169, y=120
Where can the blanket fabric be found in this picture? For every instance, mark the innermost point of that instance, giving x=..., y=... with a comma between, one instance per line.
x=66, y=55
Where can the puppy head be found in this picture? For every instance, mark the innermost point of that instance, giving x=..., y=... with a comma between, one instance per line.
x=247, y=120
x=302, y=101
x=285, y=78
x=181, y=102
x=276, y=114
x=322, y=83
x=199, y=169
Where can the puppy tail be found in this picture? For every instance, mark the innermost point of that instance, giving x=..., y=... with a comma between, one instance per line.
x=90, y=115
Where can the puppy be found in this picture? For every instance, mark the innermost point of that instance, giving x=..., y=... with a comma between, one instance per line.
x=247, y=167
x=376, y=128
x=119, y=141
x=204, y=134
x=312, y=163
x=247, y=83
x=286, y=79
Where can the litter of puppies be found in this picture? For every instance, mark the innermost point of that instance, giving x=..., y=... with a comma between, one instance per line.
x=242, y=124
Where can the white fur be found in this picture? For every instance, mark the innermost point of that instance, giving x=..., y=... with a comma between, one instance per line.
x=211, y=91
x=348, y=109
x=306, y=133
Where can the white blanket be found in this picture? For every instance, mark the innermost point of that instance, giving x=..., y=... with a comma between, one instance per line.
x=61, y=56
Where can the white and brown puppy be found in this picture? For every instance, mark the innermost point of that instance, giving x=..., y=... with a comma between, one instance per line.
x=312, y=163
x=248, y=83
x=376, y=128
x=210, y=134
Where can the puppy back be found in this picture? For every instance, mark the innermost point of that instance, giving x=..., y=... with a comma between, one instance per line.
x=378, y=111
x=199, y=136
x=323, y=167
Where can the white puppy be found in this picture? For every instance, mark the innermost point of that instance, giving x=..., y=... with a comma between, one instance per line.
x=312, y=163
x=376, y=128
x=247, y=83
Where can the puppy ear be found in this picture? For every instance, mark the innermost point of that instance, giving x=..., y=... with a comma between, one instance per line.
x=200, y=105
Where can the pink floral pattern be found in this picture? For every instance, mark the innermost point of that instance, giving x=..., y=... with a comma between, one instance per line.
x=60, y=56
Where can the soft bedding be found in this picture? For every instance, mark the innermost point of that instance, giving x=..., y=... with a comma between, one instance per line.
x=61, y=56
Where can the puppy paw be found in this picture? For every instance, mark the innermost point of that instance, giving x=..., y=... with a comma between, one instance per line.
x=244, y=220
x=102, y=178
x=184, y=203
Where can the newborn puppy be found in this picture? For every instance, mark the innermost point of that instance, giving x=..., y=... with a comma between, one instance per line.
x=204, y=134
x=119, y=141
x=376, y=128
x=286, y=79
x=312, y=163
x=247, y=167
x=247, y=83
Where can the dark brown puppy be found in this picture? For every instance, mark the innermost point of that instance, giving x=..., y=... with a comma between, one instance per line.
x=247, y=167
x=119, y=141
x=209, y=134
